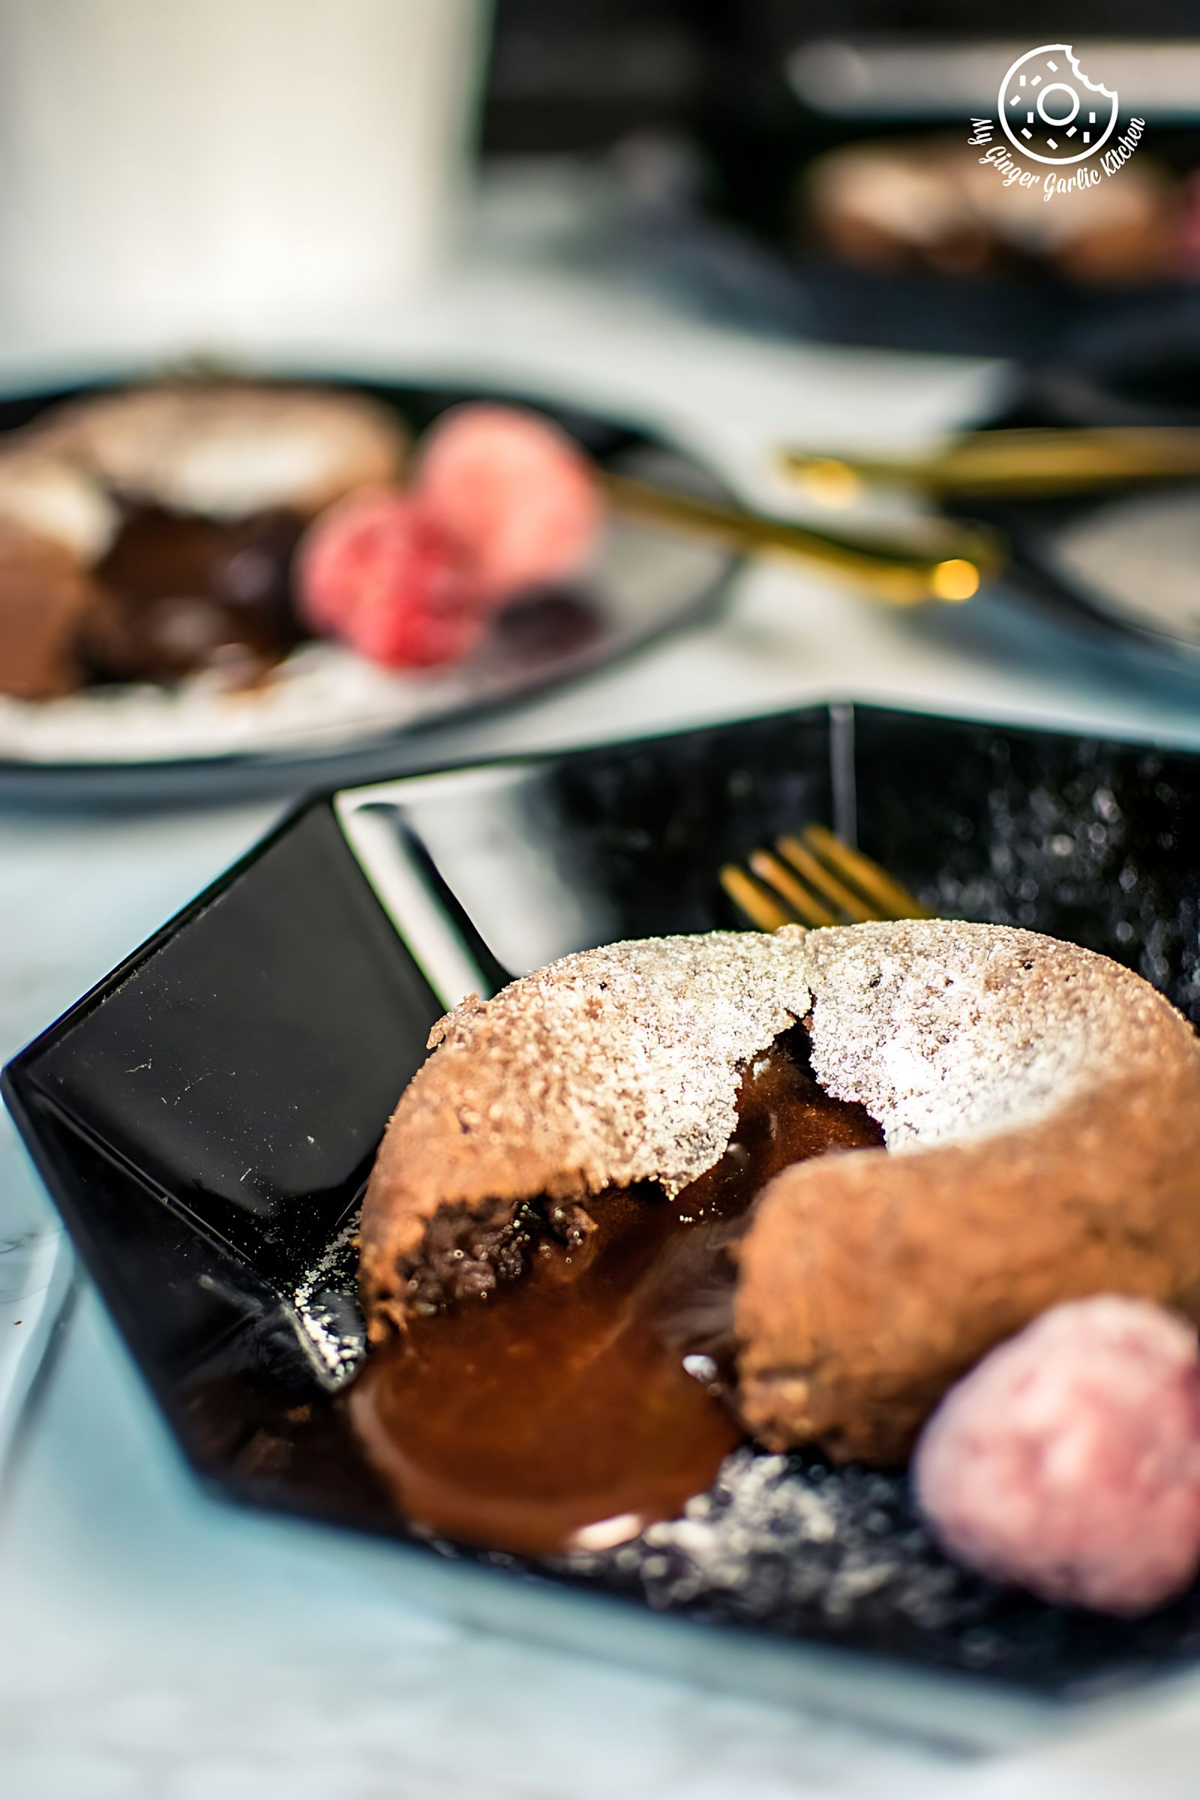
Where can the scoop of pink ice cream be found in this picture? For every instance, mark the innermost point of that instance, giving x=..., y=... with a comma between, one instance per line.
x=515, y=491
x=377, y=572
x=1069, y=1460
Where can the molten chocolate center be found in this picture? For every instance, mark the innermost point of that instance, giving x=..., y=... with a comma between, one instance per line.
x=185, y=593
x=572, y=1407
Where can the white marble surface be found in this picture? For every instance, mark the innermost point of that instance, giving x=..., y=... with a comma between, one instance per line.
x=155, y=1643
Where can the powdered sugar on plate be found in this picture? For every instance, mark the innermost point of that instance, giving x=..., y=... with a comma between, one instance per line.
x=791, y=1541
x=327, y=1311
x=321, y=697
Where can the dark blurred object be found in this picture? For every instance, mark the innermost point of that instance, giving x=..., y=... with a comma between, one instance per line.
x=579, y=77
x=1121, y=566
x=1141, y=370
x=750, y=98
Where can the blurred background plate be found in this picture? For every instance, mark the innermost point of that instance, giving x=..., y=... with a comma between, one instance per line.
x=328, y=715
x=1120, y=563
x=808, y=170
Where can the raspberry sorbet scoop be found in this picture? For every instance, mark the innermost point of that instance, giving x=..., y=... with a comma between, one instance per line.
x=377, y=572
x=1068, y=1461
x=515, y=491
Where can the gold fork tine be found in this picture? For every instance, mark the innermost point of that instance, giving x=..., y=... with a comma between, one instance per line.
x=806, y=906
x=855, y=908
x=749, y=898
x=779, y=889
x=889, y=895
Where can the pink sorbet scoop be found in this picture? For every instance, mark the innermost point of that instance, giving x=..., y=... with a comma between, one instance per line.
x=375, y=571
x=515, y=491
x=1068, y=1461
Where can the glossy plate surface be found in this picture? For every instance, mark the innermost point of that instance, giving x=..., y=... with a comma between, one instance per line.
x=205, y=1120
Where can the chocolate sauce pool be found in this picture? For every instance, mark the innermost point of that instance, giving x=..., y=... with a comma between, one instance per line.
x=583, y=1402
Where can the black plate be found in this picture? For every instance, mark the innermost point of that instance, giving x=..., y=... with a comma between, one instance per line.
x=205, y=1119
x=1139, y=369
x=626, y=602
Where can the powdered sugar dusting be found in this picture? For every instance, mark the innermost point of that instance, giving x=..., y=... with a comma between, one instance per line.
x=946, y=1031
x=636, y=1048
x=778, y=1537
x=327, y=1309
x=622, y=1064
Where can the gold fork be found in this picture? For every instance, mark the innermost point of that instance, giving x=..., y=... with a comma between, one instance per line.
x=1033, y=460
x=816, y=879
